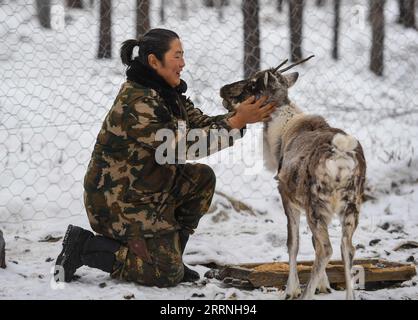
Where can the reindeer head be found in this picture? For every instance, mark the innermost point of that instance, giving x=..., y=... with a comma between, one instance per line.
x=270, y=82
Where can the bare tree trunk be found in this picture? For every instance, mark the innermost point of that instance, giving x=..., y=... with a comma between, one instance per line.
x=183, y=10
x=212, y=3
x=43, y=9
x=2, y=251
x=409, y=18
x=280, y=5
x=378, y=35
x=295, y=22
x=337, y=5
x=320, y=3
x=401, y=17
x=250, y=10
x=75, y=4
x=142, y=17
x=105, y=33
x=220, y=8
x=162, y=11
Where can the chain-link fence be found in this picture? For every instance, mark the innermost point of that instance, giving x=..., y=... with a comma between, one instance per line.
x=55, y=92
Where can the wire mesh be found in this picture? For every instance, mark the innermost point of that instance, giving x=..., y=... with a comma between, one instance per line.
x=55, y=92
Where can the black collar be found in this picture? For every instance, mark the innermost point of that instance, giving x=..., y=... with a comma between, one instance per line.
x=148, y=77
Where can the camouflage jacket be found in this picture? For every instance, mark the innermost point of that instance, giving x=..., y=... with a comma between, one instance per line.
x=124, y=157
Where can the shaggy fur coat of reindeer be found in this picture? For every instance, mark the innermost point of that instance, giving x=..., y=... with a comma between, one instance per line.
x=320, y=170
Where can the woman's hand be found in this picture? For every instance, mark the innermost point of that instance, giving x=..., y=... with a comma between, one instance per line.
x=252, y=111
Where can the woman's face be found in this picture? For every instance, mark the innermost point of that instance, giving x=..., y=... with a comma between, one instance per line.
x=172, y=65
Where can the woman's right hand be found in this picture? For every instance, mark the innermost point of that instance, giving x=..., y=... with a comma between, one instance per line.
x=252, y=111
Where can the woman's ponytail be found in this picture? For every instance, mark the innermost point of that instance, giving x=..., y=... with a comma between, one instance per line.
x=126, y=51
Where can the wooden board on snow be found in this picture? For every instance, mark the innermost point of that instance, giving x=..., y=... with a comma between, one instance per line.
x=274, y=274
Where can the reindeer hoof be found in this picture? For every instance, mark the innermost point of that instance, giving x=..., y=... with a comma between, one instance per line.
x=323, y=286
x=293, y=295
x=323, y=290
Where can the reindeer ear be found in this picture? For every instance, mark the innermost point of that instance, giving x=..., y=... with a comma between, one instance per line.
x=291, y=78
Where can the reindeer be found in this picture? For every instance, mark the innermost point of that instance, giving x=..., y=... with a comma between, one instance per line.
x=320, y=170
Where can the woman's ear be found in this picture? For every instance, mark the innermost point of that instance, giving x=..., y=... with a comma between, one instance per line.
x=153, y=61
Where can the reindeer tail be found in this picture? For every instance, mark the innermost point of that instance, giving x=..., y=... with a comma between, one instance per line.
x=344, y=143
x=341, y=165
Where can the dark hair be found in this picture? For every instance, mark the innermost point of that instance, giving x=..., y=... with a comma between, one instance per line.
x=156, y=41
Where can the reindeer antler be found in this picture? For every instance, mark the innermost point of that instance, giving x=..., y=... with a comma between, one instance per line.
x=280, y=65
x=295, y=64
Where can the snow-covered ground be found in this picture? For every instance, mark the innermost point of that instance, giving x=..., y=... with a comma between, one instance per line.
x=54, y=95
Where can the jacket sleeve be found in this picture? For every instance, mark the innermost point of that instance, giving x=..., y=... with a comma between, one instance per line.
x=151, y=125
x=219, y=133
x=198, y=119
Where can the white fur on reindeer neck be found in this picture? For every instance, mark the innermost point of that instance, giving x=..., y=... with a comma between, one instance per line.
x=273, y=131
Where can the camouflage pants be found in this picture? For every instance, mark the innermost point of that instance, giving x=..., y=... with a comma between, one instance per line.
x=156, y=259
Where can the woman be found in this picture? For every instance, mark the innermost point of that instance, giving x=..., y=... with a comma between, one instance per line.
x=144, y=209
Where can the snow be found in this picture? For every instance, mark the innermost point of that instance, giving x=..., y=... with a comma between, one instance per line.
x=54, y=95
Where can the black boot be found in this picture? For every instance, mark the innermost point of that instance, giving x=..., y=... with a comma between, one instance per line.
x=69, y=260
x=99, y=252
x=82, y=247
x=189, y=274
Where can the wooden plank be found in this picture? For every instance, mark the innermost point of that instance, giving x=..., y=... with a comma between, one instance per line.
x=276, y=273
x=332, y=262
x=236, y=272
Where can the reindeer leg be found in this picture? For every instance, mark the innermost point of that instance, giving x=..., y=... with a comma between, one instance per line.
x=323, y=286
x=293, y=287
x=349, y=224
x=293, y=218
x=323, y=252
